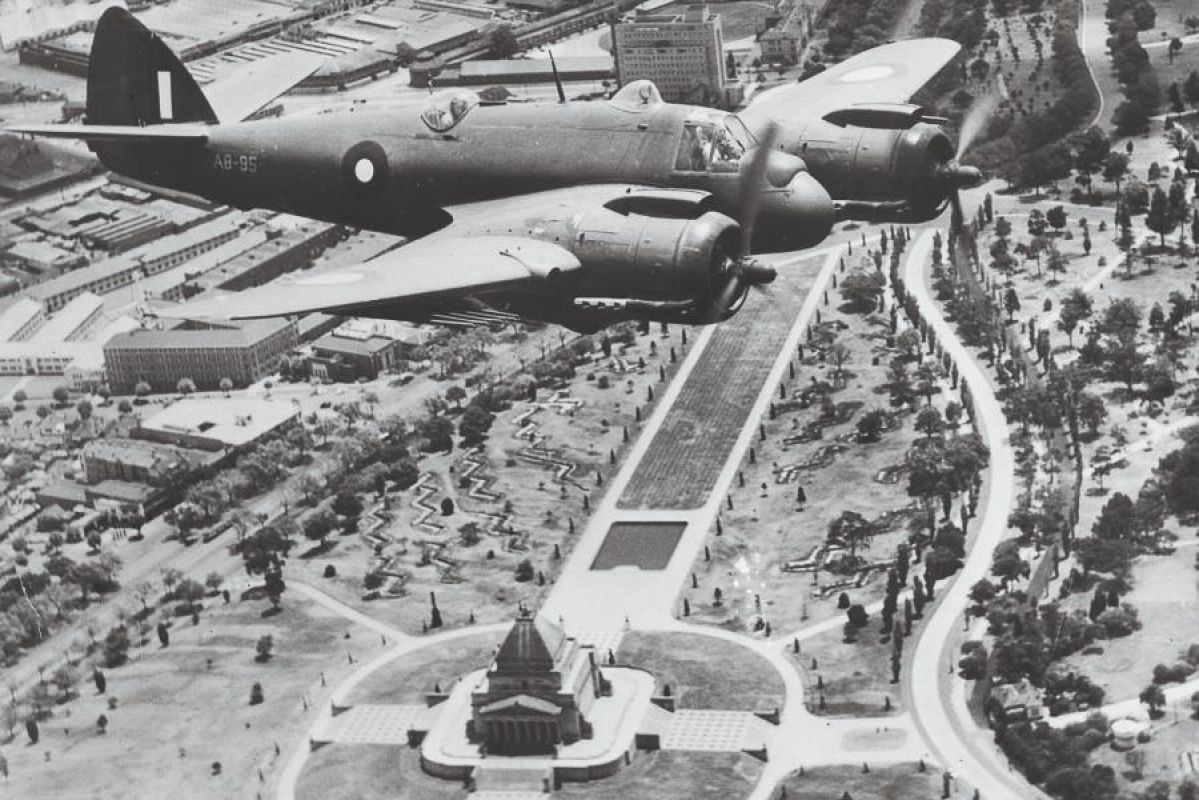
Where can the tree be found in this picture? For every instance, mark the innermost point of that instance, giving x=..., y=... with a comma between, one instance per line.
x=141, y=389
x=116, y=647
x=84, y=409
x=1011, y=302
x=318, y=526
x=1091, y=411
x=474, y=425
x=1180, y=139
x=455, y=394
x=861, y=290
x=909, y=342
x=18, y=398
x=61, y=395
x=525, y=571
x=190, y=592
x=226, y=386
x=1190, y=89
x=857, y=616
x=1091, y=149
x=65, y=679
x=899, y=382
x=185, y=386
x=929, y=422
x=265, y=645
x=1056, y=217
x=870, y=426
x=502, y=42
x=838, y=354
x=214, y=580
x=347, y=504
x=1075, y=307
x=1153, y=696
x=1121, y=318
x=852, y=530
x=5, y=414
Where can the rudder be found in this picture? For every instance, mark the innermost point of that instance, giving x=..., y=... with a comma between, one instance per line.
x=134, y=79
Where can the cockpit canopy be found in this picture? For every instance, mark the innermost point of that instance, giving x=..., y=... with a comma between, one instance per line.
x=639, y=95
x=713, y=141
x=446, y=109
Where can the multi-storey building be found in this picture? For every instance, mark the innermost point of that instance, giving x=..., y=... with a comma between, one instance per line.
x=682, y=53
x=243, y=354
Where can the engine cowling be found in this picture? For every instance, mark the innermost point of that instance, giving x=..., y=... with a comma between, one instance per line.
x=653, y=266
x=901, y=173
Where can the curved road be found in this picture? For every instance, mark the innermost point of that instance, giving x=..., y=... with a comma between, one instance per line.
x=939, y=712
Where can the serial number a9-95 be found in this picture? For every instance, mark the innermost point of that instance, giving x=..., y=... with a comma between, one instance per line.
x=228, y=162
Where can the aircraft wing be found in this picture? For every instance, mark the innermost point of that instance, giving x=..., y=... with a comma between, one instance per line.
x=891, y=73
x=254, y=86
x=428, y=271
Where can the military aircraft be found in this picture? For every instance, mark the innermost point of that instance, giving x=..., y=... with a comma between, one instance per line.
x=581, y=214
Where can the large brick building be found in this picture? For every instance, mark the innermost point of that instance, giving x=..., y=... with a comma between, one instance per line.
x=206, y=354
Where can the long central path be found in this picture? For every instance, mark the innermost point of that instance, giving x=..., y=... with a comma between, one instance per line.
x=686, y=455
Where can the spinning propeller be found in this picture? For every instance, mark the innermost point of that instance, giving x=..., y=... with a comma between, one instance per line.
x=743, y=271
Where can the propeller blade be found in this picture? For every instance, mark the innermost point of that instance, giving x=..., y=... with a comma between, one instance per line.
x=752, y=182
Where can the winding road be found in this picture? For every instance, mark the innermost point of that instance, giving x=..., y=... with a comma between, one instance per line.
x=940, y=713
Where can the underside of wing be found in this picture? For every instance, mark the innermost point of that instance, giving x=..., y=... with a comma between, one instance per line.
x=429, y=273
x=888, y=74
x=250, y=89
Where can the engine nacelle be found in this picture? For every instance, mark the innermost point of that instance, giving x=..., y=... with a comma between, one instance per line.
x=652, y=258
x=900, y=173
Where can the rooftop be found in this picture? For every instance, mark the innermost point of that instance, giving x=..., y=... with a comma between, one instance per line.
x=133, y=258
x=333, y=343
x=139, y=453
x=67, y=322
x=233, y=421
x=532, y=645
x=17, y=316
x=188, y=338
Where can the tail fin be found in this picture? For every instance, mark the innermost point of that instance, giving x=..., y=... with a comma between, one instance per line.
x=134, y=79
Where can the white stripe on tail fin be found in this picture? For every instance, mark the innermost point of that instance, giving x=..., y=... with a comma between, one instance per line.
x=166, y=109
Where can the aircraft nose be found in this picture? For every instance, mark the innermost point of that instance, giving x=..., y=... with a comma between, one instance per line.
x=803, y=212
x=781, y=168
x=800, y=214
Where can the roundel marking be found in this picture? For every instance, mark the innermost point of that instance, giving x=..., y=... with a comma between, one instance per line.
x=364, y=168
x=874, y=72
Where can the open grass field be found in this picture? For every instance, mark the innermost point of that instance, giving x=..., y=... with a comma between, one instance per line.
x=646, y=545
x=371, y=772
x=680, y=469
x=704, y=672
x=703, y=776
x=1165, y=757
x=1165, y=594
x=899, y=782
x=175, y=715
x=856, y=676
x=414, y=675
